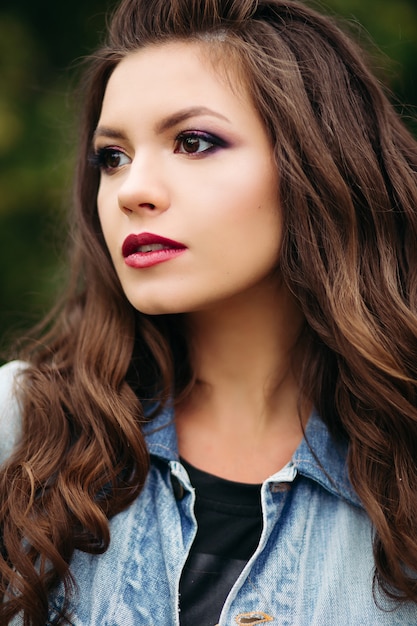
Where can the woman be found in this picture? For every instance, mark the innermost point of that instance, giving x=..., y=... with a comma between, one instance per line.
x=218, y=424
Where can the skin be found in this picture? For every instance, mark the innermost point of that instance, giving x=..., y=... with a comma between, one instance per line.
x=184, y=155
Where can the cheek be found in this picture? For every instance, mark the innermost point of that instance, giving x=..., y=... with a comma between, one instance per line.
x=242, y=188
x=106, y=212
x=251, y=207
x=109, y=232
x=243, y=233
x=102, y=207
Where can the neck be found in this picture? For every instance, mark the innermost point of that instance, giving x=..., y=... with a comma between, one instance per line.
x=246, y=395
x=247, y=347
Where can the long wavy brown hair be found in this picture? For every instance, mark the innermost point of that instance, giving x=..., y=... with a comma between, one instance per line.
x=348, y=189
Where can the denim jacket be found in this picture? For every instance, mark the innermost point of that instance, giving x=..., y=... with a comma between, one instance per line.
x=313, y=565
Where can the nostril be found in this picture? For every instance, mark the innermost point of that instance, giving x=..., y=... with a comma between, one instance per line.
x=147, y=205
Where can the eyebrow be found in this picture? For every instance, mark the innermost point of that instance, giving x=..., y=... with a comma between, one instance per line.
x=107, y=131
x=165, y=124
x=181, y=116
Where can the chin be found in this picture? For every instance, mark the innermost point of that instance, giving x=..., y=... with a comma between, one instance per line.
x=156, y=308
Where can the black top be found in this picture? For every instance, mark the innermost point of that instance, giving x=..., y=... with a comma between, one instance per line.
x=229, y=519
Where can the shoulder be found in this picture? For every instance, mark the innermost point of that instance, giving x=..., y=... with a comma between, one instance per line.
x=10, y=411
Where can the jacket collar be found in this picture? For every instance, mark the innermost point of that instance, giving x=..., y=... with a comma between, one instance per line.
x=318, y=457
x=160, y=434
x=323, y=459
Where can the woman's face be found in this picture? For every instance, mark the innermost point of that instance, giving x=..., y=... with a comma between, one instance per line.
x=188, y=197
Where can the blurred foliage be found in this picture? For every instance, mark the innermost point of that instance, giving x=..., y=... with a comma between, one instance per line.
x=39, y=42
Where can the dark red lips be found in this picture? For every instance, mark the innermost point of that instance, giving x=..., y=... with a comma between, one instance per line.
x=133, y=243
x=146, y=249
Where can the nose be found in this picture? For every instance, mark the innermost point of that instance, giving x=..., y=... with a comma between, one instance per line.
x=144, y=187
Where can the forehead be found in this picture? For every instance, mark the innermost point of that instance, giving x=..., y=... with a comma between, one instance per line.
x=183, y=67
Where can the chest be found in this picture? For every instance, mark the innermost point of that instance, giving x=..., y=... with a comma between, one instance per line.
x=313, y=565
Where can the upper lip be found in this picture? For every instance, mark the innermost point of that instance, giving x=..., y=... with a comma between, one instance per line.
x=133, y=242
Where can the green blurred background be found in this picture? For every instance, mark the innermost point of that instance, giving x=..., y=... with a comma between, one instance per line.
x=41, y=44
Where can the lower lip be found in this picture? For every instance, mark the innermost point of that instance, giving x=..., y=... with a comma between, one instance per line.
x=140, y=260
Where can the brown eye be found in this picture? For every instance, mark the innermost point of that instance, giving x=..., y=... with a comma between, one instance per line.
x=110, y=159
x=191, y=144
x=197, y=143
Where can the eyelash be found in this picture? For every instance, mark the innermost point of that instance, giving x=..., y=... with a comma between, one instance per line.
x=100, y=157
x=192, y=135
